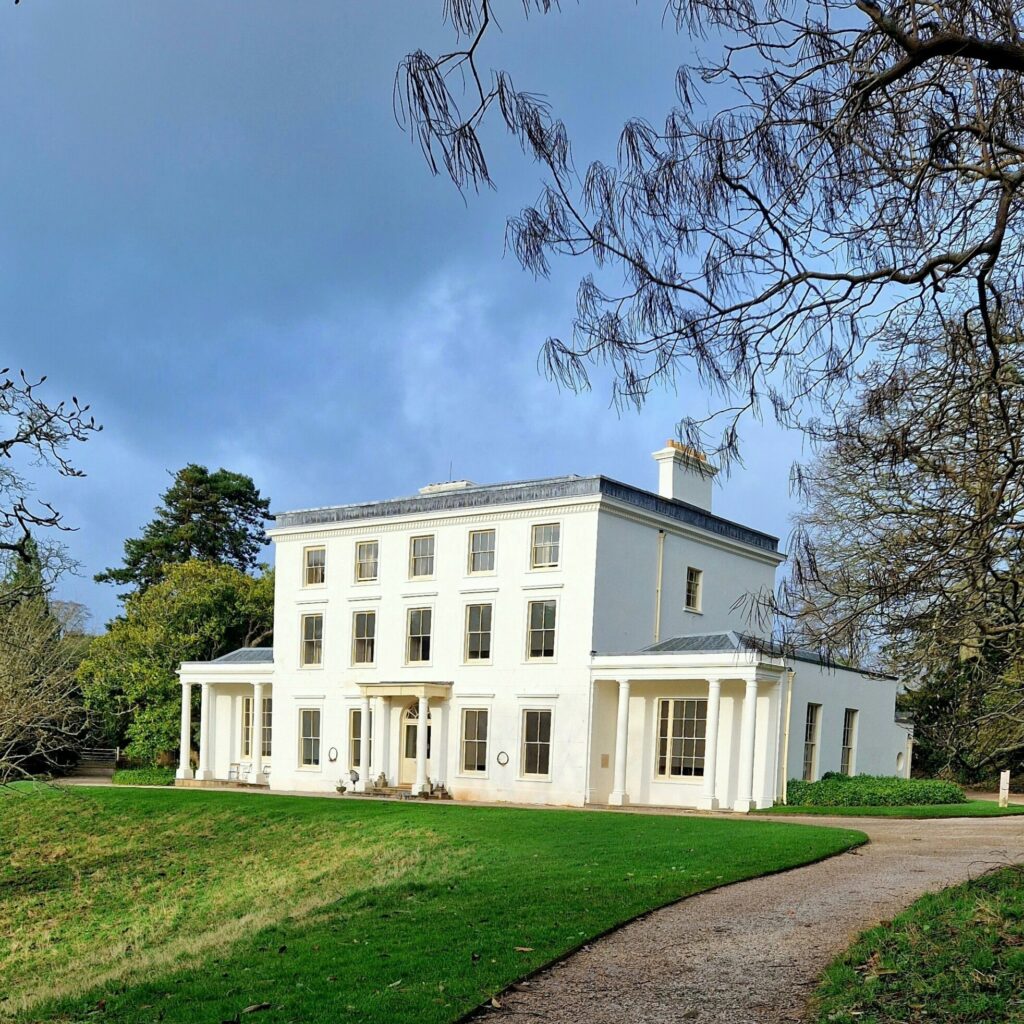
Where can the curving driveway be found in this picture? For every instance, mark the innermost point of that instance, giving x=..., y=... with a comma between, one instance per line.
x=751, y=953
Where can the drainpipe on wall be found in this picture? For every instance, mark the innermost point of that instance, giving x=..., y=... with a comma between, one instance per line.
x=785, y=732
x=657, y=589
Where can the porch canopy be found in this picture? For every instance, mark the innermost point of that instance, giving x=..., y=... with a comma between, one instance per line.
x=749, y=666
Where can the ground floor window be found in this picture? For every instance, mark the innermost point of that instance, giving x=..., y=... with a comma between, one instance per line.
x=247, y=727
x=267, y=726
x=682, y=728
x=309, y=737
x=536, y=754
x=474, y=740
x=811, y=742
x=849, y=741
x=355, y=737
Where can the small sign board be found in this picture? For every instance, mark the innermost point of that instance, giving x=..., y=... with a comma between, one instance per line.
x=1004, y=789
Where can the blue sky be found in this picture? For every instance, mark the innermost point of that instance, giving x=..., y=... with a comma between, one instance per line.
x=212, y=229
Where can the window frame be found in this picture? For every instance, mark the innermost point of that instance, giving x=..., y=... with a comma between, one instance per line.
x=245, y=747
x=357, y=561
x=693, y=778
x=466, y=659
x=267, y=728
x=355, y=662
x=317, y=765
x=354, y=738
x=814, y=743
x=536, y=566
x=523, y=775
x=848, y=742
x=413, y=575
x=698, y=605
x=303, y=640
x=541, y=659
x=306, y=551
x=470, y=571
x=426, y=662
x=474, y=773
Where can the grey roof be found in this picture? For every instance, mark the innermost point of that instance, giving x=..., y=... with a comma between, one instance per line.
x=247, y=656
x=731, y=641
x=526, y=491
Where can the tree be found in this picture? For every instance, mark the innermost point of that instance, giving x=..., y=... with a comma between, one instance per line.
x=853, y=170
x=215, y=517
x=198, y=611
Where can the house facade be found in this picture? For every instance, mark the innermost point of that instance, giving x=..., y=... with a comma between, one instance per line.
x=568, y=641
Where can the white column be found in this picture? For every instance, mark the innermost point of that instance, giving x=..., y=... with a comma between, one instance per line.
x=184, y=758
x=379, y=728
x=205, y=714
x=364, y=746
x=257, y=733
x=745, y=785
x=708, y=800
x=619, y=797
x=421, y=748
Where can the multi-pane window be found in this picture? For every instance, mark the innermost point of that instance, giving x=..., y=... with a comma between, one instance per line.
x=355, y=737
x=474, y=740
x=267, y=727
x=694, y=586
x=811, y=741
x=481, y=550
x=421, y=556
x=682, y=725
x=309, y=737
x=366, y=560
x=364, y=638
x=247, y=727
x=418, y=643
x=315, y=567
x=312, y=639
x=478, y=632
x=536, y=759
x=540, y=641
x=849, y=741
x=544, y=546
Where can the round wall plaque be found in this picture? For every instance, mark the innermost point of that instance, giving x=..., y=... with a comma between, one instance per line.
x=332, y=754
x=502, y=758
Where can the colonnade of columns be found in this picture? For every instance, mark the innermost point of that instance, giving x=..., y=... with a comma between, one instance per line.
x=708, y=799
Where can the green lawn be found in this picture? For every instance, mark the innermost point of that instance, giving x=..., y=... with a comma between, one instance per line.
x=970, y=809
x=955, y=956
x=190, y=906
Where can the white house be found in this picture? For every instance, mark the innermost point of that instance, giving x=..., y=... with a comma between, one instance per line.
x=571, y=640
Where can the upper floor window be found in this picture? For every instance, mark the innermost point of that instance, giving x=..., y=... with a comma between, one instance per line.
x=312, y=639
x=364, y=637
x=540, y=641
x=846, y=761
x=418, y=642
x=682, y=726
x=694, y=588
x=810, y=766
x=535, y=757
x=421, y=556
x=315, y=567
x=481, y=550
x=478, y=632
x=544, y=546
x=366, y=561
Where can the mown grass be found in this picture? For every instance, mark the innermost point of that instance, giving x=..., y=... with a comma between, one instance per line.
x=969, y=809
x=955, y=956
x=186, y=906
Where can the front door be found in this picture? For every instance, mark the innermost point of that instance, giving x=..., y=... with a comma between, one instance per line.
x=410, y=728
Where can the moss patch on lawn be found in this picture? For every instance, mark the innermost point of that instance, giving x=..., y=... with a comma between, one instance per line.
x=955, y=956
x=184, y=905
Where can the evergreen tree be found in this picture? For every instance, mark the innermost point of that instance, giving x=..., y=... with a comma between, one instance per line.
x=213, y=517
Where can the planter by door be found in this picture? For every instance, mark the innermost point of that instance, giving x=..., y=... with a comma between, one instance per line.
x=410, y=723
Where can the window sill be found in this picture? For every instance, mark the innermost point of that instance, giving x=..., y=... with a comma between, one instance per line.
x=533, y=778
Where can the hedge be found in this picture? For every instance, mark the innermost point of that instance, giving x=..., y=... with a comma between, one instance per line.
x=144, y=777
x=835, y=790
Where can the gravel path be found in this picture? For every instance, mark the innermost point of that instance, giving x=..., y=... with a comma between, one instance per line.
x=751, y=953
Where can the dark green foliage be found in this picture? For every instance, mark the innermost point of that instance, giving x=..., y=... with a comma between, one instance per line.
x=144, y=777
x=213, y=517
x=953, y=956
x=872, y=791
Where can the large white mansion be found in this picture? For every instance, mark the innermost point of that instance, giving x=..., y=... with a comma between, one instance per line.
x=572, y=640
